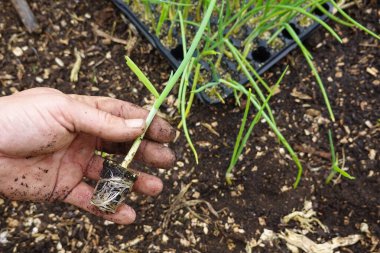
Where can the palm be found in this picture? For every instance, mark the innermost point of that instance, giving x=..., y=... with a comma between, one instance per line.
x=52, y=176
x=72, y=164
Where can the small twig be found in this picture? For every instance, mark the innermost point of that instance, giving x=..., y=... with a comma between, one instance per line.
x=312, y=151
x=105, y=35
x=135, y=241
x=343, y=5
x=131, y=45
x=76, y=67
x=26, y=15
x=180, y=202
x=211, y=129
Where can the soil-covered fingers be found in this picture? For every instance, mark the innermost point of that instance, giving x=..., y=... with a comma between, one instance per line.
x=148, y=184
x=145, y=183
x=160, y=130
x=150, y=153
x=81, y=195
x=87, y=119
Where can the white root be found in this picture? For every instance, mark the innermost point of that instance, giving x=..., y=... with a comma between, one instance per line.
x=110, y=193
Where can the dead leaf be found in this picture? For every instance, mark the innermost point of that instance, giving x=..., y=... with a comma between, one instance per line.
x=306, y=218
x=307, y=245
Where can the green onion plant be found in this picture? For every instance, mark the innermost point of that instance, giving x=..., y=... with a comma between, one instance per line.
x=174, y=21
x=335, y=163
x=170, y=84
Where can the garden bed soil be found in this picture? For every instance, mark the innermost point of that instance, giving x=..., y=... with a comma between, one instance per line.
x=186, y=221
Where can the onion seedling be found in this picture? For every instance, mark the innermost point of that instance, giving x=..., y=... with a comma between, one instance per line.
x=233, y=35
x=110, y=191
x=308, y=58
x=335, y=163
x=240, y=143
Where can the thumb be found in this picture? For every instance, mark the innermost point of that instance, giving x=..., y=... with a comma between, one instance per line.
x=102, y=124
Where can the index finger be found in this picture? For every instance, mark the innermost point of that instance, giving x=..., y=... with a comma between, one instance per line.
x=160, y=130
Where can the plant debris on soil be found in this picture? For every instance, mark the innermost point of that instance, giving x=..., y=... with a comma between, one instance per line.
x=197, y=211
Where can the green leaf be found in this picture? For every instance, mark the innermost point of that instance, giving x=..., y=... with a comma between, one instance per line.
x=140, y=75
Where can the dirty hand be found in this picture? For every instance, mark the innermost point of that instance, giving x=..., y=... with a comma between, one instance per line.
x=48, y=139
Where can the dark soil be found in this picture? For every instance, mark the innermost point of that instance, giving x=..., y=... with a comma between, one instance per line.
x=261, y=194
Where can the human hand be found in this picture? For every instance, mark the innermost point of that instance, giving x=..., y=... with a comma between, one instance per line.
x=48, y=139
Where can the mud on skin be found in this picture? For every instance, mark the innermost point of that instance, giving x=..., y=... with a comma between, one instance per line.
x=341, y=207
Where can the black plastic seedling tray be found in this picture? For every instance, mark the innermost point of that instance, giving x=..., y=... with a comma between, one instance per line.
x=262, y=57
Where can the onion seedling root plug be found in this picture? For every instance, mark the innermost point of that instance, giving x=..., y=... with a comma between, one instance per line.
x=111, y=190
x=113, y=186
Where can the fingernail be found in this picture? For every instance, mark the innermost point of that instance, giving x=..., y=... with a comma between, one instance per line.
x=135, y=123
